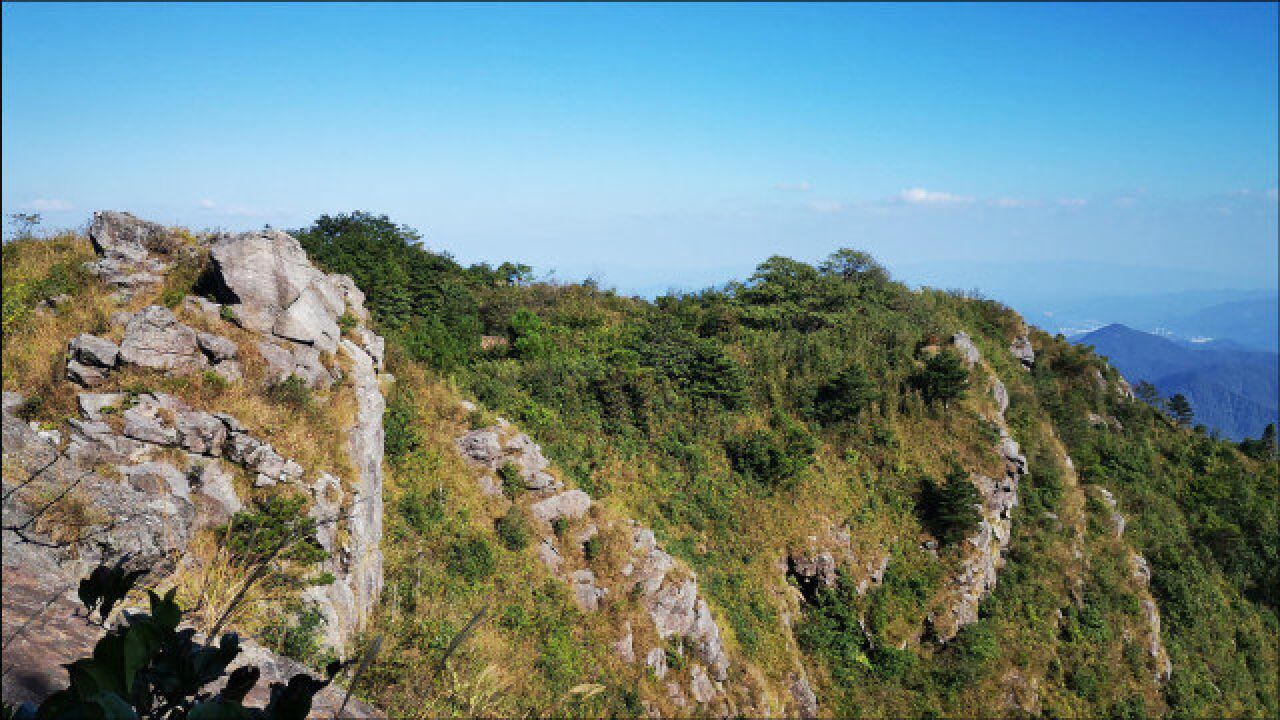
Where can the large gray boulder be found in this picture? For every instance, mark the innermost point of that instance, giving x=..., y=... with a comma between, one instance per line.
x=274, y=289
x=155, y=339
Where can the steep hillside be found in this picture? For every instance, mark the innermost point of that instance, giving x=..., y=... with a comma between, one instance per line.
x=792, y=438
x=814, y=493
x=1233, y=391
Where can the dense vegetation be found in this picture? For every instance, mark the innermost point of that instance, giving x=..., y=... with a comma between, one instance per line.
x=737, y=420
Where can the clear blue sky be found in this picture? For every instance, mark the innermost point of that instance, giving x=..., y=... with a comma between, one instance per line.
x=1081, y=148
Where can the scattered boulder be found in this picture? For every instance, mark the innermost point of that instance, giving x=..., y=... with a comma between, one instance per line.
x=1001, y=395
x=93, y=406
x=125, y=247
x=85, y=375
x=964, y=345
x=585, y=592
x=93, y=351
x=155, y=339
x=216, y=347
x=1022, y=350
x=806, y=701
x=571, y=505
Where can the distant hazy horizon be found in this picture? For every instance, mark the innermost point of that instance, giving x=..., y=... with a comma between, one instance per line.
x=1034, y=152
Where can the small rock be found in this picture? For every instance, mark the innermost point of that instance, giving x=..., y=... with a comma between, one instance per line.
x=1022, y=350
x=700, y=684
x=623, y=648
x=94, y=351
x=571, y=505
x=92, y=405
x=656, y=660
x=84, y=375
x=216, y=347
x=201, y=432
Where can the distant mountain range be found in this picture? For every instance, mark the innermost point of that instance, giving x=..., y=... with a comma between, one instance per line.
x=1231, y=388
x=1249, y=318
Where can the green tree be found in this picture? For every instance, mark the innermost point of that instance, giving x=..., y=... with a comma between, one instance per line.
x=945, y=378
x=844, y=396
x=950, y=510
x=1146, y=392
x=1180, y=409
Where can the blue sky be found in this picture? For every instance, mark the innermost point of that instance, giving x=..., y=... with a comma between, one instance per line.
x=1020, y=149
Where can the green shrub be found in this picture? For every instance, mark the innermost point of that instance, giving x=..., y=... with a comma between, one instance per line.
x=421, y=511
x=512, y=483
x=470, y=558
x=513, y=529
x=399, y=425
x=292, y=392
x=945, y=378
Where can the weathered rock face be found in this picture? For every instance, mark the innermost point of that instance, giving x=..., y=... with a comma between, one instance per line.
x=488, y=447
x=964, y=345
x=155, y=339
x=273, y=288
x=1022, y=350
x=983, y=554
x=666, y=590
x=132, y=253
x=295, y=308
x=1159, y=657
x=53, y=634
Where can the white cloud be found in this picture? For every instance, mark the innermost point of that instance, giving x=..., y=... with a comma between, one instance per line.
x=231, y=210
x=802, y=186
x=1124, y=202
x=1272, y=194
x=48, y=205
x=920, y=196
x=826, y=206
x=1072, y=202
x=1008, y=202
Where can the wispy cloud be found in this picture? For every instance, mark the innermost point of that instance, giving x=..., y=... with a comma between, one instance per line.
x=1272, y=194
x=826, y=206
x=802, y=186
x=1072, y=202
x=231, y=210
x=1009, y=202
x=920, y=196
x=47, y=205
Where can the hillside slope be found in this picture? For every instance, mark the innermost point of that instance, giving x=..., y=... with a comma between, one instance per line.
x=814, y=493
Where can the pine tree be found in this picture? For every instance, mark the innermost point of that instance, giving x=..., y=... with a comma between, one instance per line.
x=1180, y=409
x=945, y=378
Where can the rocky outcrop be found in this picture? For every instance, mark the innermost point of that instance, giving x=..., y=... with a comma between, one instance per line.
x=964, y=345
x=982, y=555
x=497, y=446
x=48, y=631
x=155, y=339
x=90, y=358
x=824, y=558
x=271, y=286
x=1022, y=350
x=142, y=473
x=652, y=578
x=1141, y=571
x=132, y=254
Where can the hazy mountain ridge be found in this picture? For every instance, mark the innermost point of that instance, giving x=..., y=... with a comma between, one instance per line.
x=1233, y=391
